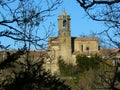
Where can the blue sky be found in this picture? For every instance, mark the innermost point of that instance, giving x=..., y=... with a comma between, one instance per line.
x=80, y=23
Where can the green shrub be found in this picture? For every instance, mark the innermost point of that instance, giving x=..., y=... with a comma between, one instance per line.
x=85, y=63
x=67, y=69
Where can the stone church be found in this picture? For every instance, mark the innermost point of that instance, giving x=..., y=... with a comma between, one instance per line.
x=66, y=47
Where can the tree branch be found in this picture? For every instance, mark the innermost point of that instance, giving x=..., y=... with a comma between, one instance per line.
x=88, y=3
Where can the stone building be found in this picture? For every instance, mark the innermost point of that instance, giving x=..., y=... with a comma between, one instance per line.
x=66, y=47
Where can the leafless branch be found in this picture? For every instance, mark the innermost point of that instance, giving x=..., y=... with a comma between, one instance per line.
x=15, y=20
x=89, y=3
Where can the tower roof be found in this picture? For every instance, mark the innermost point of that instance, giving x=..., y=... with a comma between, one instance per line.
x=64, y=12
x=63, y=15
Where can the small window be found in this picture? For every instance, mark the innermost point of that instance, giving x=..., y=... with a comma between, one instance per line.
x=87, y=48
x=81, y=47
x=64, y=23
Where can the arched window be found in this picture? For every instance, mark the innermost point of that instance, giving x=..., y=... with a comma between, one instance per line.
x=64, y=23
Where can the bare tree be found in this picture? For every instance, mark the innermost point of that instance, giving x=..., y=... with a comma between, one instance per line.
x=20, y=19
x=106, y=11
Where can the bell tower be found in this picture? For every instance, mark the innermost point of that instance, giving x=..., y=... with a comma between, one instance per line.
x=64, y=36
x=64, y=24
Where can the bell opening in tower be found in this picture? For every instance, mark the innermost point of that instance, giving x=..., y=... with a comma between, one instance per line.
x=64, y=23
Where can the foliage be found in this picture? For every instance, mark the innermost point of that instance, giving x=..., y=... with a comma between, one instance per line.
x=105, y=73
x=90, y=73
x=85, y=63
x=11, y=58
x=30, y=76
x=67, y=69
x=81, y=75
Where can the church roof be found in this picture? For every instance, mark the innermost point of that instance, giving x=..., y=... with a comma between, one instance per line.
x=76, y=38
x=85, y=38
x=54, y=41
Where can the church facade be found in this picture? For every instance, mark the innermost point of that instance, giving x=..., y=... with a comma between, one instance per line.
x=66, y=47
